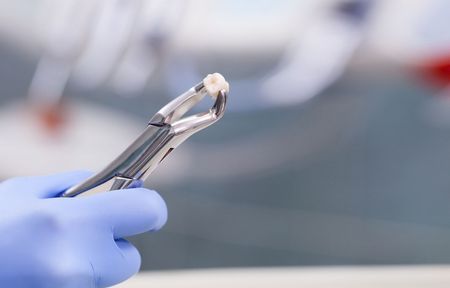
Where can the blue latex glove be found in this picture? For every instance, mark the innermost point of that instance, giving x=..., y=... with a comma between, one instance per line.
x=48, y=241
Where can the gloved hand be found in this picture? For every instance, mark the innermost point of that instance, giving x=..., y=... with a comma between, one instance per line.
x=48, y=241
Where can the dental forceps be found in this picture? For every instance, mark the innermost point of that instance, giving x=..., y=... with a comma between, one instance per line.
x=165, y=131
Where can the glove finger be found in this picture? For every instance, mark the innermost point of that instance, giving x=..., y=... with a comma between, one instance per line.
x=127, y=212
x=119, y=262
x=44, y=186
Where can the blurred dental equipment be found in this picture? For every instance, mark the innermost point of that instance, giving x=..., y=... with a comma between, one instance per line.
x=96, y=42
x=317, y=58
x=316, y=55
x=165, y=131
x=66, y=35
x=121, y=44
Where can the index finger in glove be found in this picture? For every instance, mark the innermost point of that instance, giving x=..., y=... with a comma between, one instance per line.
x=43, y=186
x=127, y=212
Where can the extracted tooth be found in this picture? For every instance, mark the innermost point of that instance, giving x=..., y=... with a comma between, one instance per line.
x=214, y=83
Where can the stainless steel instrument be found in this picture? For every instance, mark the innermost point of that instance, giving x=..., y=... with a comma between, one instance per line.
x=165, y=131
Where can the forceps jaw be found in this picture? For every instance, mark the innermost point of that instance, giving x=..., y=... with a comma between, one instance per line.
x=171, y=113
x=197, y=122
x=180, y=105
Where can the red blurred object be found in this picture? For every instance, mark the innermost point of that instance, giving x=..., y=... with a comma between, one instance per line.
x=437, y=70
x=51, y=117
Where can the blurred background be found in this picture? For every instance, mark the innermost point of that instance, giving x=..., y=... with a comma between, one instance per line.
x=335, y=148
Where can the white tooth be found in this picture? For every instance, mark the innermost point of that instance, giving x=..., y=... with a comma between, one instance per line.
x=214, y=83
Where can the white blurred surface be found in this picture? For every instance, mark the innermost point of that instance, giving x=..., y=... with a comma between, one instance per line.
x=336, y=277
x=410, y=31
x=92, y=137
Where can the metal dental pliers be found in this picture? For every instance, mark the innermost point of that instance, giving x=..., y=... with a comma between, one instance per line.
x=165, y=131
